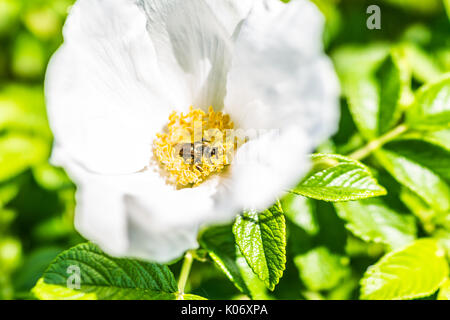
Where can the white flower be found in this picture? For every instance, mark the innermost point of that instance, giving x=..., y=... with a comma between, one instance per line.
x=126, y=65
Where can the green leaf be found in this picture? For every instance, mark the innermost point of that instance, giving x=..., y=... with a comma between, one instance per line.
x=431, y=156
x=261, y=238
x=301, y=211
x=221, y=246
x=414, y=271
x=18, y=152
x=440, y=138
x=393, y=78
x=377, y=90
x=432, y=107
x=444, y=291
x=423, y=181
x=105, y=278
x=372, y=220
x=22, y=108
x=424, y=68
x=363, y=102
x=321, y=269
x=337, y=178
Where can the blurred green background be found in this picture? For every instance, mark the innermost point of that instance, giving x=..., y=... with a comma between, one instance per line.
x=37, y=200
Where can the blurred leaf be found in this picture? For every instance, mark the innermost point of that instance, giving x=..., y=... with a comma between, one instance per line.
x=301, y=211
x=426, y=154
x=50, y=177
x=10, y=254
x=33, y=267
x=322, y=270
x=444, y=291
x=261, y=238
x=22, y=108
x=414, y=271
x=423, y=66
x=43, y=22
x=9, y=15
x=19, y=152
x=440, y=138
x=420, y=209
x=447, y=7
x=432, y=107
x=105, y=278
x=337, y=178
x=422, y=180
x=394, y=81
x=7, y=192
x=29, y=57
x=420, y=6
x=372, y=220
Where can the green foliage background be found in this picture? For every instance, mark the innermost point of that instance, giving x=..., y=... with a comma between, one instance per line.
x=324, y=240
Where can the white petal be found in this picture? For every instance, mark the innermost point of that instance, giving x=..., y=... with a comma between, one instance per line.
x=101, y=87
x=280, y=80
x=193, y=42
x=138, y=215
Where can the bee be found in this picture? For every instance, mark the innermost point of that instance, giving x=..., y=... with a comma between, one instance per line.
x=194, y=152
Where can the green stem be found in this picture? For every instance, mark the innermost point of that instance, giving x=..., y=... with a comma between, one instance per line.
x=184, y=275
x=378, y=143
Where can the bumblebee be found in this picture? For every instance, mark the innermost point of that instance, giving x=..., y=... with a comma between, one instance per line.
x=194, y=152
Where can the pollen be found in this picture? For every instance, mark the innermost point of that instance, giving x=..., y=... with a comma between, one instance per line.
x=195, y=145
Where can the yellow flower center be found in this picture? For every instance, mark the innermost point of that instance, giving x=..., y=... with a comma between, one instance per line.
x=195, y=145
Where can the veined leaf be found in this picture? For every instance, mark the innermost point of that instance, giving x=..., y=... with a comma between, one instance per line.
x=261, y=238
x=301, y=211
x=321, y=269
x=422, y=180
x=372, y=220
x=414, y=271
x=221, y=246
x=104, y=278
x=432, y=107
x=336, y=178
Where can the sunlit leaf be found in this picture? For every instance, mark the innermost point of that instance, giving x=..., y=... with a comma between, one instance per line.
x=104, y=278
x=372, y=220
x=432, y=107
x=261, y=238
x=337, y=178
x=423, y=181
x=415, y=271
x=321, y=269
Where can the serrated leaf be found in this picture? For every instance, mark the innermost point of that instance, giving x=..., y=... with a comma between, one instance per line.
x=261, y=237
x=420, y=179
x=372, y=220
x=321, y=269
x=432, y=107
x=415, y=271
x=337, y=178
x=105, y=278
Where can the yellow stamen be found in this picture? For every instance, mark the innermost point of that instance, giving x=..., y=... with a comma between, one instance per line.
x=195, y=146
